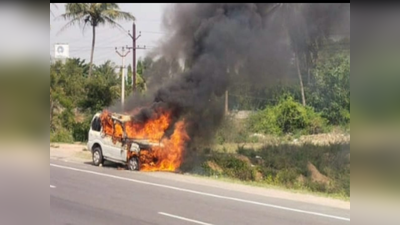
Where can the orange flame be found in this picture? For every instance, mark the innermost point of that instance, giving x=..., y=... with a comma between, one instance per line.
x=153, y=129
x=166, y=158
x=170, y=156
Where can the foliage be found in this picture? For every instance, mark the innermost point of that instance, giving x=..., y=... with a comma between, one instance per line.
x=331, y=92
x=286, y=117
x=66, y=90
x=94, y=14
x=61, y=135
x=231, y=131
x=80, y=129
x=140, y=83
x=230, y=165
x=100, y=93
x=286, y=165
x=139, y=68
x=71, y=92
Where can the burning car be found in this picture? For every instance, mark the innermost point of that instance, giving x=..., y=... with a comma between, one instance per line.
x=138, y=145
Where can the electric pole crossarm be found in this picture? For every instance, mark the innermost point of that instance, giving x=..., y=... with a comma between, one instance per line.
x=134, y=38
x=121, y=54
x=130, y=35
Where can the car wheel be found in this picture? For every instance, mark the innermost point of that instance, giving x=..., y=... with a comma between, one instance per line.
x=133, y=164
x=97, y=156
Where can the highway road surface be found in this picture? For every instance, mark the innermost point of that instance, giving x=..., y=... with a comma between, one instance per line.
x=83, y=194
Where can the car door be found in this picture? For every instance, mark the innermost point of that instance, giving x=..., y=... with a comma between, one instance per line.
x=114, y=149
x=94, y=132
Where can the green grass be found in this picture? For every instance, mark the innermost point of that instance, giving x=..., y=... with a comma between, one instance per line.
x=280, y=165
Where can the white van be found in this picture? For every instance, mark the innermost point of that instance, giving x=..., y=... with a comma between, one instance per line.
x=127, y=151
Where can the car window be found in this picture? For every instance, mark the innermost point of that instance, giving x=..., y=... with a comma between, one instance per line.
x=96, y=124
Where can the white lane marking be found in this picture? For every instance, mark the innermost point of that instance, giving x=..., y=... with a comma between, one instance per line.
x=51, y=186
x=203, y=193
x=183, y=218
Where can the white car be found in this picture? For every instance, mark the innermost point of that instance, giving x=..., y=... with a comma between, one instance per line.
x=125, y=152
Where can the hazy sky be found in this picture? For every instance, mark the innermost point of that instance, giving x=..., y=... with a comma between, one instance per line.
x=148, y=20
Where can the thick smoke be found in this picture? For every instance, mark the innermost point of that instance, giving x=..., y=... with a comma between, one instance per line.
x=220, y=43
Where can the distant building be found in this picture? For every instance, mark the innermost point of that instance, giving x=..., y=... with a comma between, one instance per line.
x=61, y=52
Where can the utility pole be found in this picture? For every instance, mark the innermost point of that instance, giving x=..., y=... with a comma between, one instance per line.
x=226, y=96
x=123, y=74
x=134, y=47
x=226, y=103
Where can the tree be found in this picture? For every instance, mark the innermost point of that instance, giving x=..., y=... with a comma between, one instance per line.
x=51, y=12
x=66, y=90
x=139, y=66
x=102, y=88
x=93, y=14
x=82, y=64
x=307, y=26
x=106, y=70
x=128, y=81
x=146, y=64
x=53, y=4
x=140, y=82
x=331, y=92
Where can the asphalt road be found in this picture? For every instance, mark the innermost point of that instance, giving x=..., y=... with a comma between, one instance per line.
x=85, y=194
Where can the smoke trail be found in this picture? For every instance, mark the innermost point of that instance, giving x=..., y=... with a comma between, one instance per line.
x=221, y=42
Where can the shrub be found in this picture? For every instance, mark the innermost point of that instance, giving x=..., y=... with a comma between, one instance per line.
x=288, y=116
x=231, y=166
x=284, y=164
x=286, y=177
x=61, y=135
x=80, y=131
x=232, y=131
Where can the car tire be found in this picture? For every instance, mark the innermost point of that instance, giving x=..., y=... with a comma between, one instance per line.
x=133, y=164
x=97, y=156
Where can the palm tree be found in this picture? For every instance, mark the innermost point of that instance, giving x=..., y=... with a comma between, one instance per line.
x=93, y=14
x=53, y=4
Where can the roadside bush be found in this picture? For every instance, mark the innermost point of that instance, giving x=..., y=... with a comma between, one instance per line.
x=286, y=177
x=232, y=131
x=286, y=117
x=230, y=166
x=80, y=131
x=61, y=135
x=285, y=164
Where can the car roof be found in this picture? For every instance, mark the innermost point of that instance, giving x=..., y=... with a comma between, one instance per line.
x=117, y=116
x=121, y=117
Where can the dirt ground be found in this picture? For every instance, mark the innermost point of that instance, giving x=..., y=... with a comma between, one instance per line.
x=79, y=154
x=70, y=152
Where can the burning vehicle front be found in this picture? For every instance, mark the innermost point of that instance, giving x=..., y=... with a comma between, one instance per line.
x=140, y=146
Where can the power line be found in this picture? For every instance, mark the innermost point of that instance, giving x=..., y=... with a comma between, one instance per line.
x=153, y=32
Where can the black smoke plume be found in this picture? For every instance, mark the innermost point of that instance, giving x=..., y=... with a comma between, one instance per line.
x=220, y=43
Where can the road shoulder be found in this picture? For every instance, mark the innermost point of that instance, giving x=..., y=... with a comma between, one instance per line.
x=75, y=153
